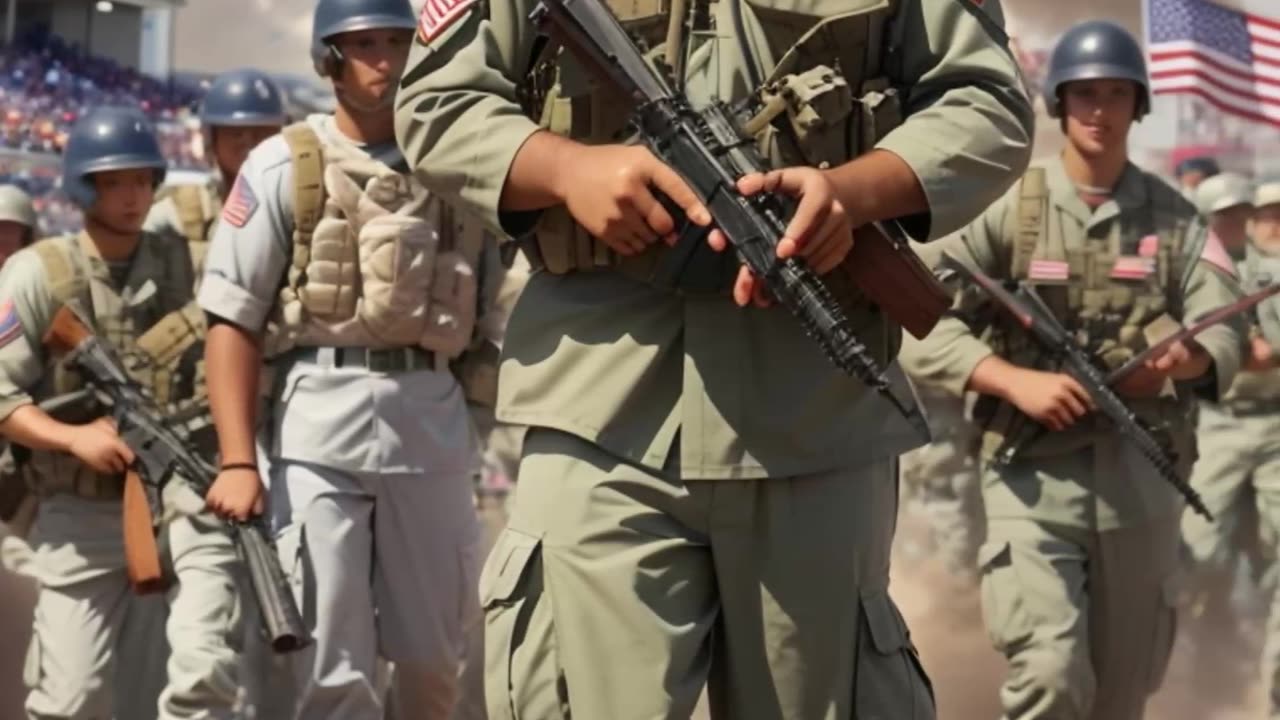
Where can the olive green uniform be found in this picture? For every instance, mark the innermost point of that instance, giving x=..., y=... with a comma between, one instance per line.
x=691, y=464
x=1079, y=566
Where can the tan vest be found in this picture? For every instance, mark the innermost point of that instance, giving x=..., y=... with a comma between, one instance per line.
x=198, y=209
x=825, y=101
x=378, y=262
x=153, y=325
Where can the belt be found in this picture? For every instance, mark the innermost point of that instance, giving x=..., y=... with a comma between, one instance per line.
x=393, y=360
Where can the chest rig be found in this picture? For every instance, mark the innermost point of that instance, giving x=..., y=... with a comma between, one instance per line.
x=377, y=262
x=816, y=94
x=150, y=320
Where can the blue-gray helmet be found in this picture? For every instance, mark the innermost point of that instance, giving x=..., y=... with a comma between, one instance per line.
x=1206, y=166
x=243, y=97
x=1093, y=50
x=108, y=138
x=334, y=17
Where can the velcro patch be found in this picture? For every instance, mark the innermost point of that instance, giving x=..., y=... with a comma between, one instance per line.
x=10, y=323
x=437, y=15
x=241, y=203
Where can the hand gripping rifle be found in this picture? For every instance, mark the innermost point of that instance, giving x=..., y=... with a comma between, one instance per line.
x=707, y=150
x=163, y=455
x=1038, y=320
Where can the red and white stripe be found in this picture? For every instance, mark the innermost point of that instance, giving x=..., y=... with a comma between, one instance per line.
x=1132, y=268
x=1049, y=270
x=439, y=14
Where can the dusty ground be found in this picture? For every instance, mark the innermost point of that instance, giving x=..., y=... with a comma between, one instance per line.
x=946, y=625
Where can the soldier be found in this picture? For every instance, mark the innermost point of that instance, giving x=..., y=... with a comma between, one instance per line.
x=17, y=221
x=241, y=109
x=1264, y=226
x=1238, y=473
x=693, y=463
x=135, y=286
x=17, y=505
x=1079, y=565
x=1193, y=171
x=358, y=287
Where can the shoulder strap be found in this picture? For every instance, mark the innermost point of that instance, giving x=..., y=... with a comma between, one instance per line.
x=1033, y=201
x=67, y=278
x=307, y=155
x=190, y=205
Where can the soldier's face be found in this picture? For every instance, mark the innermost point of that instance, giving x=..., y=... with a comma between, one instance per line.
x=1098, y=114
x=1264, y=228
x=374, y=60
x=231, y=145
x=1231, y=225
x=124, y=197
x=12, y=235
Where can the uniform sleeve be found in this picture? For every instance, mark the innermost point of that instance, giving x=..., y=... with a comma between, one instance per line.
x=947, y=356
x=26, y=307
x=969, y=123
x=1207, y=289
x=458, y=120
x=250, y=249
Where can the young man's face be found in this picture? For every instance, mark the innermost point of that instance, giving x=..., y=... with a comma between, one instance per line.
x=231, y=145
x=373, y=61
x=1230, y=225
x=1264, y=228
x=124, y=198
x=1098, y=114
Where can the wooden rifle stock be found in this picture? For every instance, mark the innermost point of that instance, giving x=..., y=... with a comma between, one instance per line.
x=890, y=275
x=66, y=332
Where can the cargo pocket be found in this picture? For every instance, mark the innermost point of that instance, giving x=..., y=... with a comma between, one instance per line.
x=891, y=684
x=523, y=678
x=1002, y=607
x=1166, y=629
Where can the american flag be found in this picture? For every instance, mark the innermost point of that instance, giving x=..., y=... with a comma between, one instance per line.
x=1228, y=57
x=1132, y=268
x=1049, y=270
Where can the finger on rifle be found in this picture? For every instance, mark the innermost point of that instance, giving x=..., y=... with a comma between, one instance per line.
x=753, y=183
x=760, y=295
x=810, y=216
x=669, y=183
x=1073, y=405
x=259, y=505
x=832, y=247
x=717, y=240
x=743, y=287
x=1080, y=393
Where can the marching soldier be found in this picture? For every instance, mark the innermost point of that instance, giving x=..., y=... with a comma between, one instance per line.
x=1079, y=566
x=17, y=505
x=135, y=286
x=240, y=110
x=359, y=289
x=692, y=463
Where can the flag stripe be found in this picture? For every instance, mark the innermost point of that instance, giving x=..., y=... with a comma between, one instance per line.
x=1192, y=86
x=1190, y=60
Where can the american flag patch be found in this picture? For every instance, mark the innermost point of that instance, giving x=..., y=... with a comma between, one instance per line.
x=1149, y=246
x=240, y=203
x=1216, y=255
x=1053, y=270
x=1128, y=267
x=10, y=323
x=439, y=14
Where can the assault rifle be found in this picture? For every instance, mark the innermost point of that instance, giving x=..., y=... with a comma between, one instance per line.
x=1038, y=320
x=707, y=149
x=162, y=455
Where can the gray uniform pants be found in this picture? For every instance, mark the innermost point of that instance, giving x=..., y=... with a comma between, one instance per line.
x=383, y=566
x=618, y=592
x=1086, y=619
x=85, y=599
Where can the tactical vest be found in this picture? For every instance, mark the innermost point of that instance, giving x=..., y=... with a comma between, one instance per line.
x=377, y=261
x=1121, y=294
x=1254, y=392
x=197, y=211
x=153, y=314
x=824, y=100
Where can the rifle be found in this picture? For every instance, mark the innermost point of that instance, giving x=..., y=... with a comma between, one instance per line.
x=1036, y=318
x=161, y=455
x=708, y=150
x=1202, y=323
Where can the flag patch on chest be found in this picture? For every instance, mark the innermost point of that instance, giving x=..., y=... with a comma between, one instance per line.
x=10, y=323
x=1053, y=270
x=437, y=15
x=1129, y=267
x=1149, y=246
x=240, y=203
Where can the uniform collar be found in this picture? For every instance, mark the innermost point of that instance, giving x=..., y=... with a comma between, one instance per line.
x=1131, y=193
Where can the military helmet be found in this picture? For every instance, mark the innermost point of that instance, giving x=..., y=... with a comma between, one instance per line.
x=1202, y=164
x=1092, y=50
x=334, y=17
x=243, y=97
x=16, y=206
x=1268, y=193
x=108, y=138
x=1222, y=191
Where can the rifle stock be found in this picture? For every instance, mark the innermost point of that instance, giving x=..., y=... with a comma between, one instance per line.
x=66, y=332
x=893, y=277
x=141, y=554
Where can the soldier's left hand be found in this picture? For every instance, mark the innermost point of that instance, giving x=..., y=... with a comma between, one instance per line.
x=820, y=232
x=1260, y=356
x=1180, y=362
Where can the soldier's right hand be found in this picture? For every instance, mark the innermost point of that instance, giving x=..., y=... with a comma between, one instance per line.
x=609, y=191
x=235, y=494
x=1259, y=356
x=98, y=445
x=1055, y=400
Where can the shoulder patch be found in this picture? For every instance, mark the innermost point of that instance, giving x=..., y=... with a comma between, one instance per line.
x=10, y=323
x=241, y=203
x=437, y=15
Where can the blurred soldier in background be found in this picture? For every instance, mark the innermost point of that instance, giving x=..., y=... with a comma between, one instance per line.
x=1193, y=171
